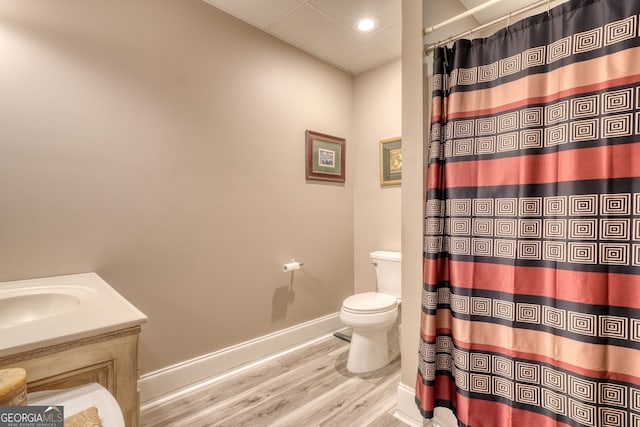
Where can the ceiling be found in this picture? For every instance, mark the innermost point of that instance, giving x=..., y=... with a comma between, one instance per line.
x=326, y=28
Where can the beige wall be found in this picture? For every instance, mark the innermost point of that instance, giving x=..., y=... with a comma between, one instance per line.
x=161, y=144
x=377, y=116
x=412, y=188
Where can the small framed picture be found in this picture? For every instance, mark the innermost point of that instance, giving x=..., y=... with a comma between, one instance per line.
x=391, y=161
x=325, y=157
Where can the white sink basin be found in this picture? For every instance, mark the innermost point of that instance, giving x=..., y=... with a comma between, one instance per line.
x=52, y=310
x=15, y=310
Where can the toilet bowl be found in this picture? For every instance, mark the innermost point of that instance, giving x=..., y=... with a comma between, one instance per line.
x=373, y=316
x=77, y=399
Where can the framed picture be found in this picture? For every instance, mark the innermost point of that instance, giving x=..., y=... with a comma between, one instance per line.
x=391, y=161
x=325, y=157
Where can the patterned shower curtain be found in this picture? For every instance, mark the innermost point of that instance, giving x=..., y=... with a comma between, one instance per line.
x=531, y=300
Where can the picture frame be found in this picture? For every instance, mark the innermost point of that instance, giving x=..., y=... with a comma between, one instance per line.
x=325, y=157
x=391, y=161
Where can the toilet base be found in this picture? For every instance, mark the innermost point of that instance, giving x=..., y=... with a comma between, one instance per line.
x=372, y=349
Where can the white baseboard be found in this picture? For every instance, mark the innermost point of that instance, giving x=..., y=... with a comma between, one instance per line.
x=409, y=414
x=407, y=410
x=162, y=382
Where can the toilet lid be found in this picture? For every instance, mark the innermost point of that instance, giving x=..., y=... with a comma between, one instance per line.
x=369, y=302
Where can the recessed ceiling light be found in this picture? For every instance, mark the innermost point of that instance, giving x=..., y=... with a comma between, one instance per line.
x=366, y=24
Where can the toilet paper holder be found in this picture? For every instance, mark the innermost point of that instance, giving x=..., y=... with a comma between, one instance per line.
x=292, y=265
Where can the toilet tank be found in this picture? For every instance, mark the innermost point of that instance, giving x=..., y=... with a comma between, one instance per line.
x=388, y=271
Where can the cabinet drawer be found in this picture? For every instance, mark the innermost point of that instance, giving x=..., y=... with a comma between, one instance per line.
x=101, y=373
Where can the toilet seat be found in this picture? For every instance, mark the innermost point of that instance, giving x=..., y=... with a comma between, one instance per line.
x=369, y=303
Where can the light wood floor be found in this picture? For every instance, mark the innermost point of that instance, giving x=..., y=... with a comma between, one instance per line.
x=308, y=387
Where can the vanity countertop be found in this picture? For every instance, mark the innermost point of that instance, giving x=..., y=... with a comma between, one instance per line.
x=36, y=313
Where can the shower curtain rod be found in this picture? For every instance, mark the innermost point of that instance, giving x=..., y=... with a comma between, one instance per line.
x=464, y=14
x=429, y=47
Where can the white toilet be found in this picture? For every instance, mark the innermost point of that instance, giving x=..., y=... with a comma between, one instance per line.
x=373, y=316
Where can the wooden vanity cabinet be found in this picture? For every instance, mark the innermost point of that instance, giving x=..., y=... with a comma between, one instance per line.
x=110, y=359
